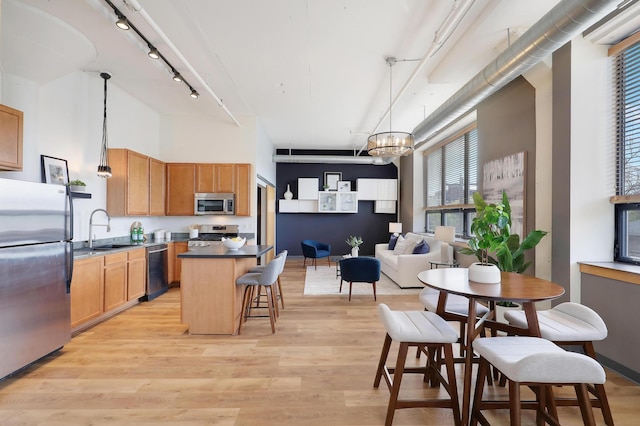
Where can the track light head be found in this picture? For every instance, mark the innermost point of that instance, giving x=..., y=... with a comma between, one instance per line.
x=153, y=52
x=177, y=77
x=122, y=23
x=194, y=94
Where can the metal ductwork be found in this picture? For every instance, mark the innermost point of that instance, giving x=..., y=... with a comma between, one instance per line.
x=332, y=159
x=562, y=23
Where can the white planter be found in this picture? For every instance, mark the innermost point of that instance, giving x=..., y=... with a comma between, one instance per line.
x=484, y=274
x=76, y=188
x=354, y=252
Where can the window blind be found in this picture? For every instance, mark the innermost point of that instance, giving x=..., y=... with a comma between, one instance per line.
x=627, y=71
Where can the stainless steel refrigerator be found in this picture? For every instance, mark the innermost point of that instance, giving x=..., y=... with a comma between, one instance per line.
x=36, y=264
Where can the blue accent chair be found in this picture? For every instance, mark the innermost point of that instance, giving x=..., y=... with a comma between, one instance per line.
x=315, y=250
x=360, y=269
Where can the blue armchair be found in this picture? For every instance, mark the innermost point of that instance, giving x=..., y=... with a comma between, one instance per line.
x=360, y=269
x=315, y=250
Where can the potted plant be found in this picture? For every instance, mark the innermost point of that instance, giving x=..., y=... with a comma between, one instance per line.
x=355, y=243
x=493, y=243
x=76, y=185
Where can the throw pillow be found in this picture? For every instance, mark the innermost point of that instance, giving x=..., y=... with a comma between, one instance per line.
x=421, y=248
x=393, y=241
x=404, y=246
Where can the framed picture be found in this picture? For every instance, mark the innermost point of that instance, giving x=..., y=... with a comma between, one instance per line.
x=331, y=180
x=344, y=185
x=54, y=170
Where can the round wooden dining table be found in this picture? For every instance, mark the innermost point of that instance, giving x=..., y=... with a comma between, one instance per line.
x=513, y=287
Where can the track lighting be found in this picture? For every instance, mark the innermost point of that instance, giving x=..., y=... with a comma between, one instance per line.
x=153, y=52
x=122, y=22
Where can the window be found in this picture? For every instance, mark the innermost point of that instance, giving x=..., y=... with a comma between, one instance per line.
x=627, y=216
x=451, y=177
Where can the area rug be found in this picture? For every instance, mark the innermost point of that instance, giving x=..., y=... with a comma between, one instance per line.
x=324, y=281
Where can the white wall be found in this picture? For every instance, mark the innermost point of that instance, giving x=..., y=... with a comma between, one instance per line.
x=592, y=215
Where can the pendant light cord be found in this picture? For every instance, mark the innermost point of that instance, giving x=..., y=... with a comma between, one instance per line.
x=103, y=168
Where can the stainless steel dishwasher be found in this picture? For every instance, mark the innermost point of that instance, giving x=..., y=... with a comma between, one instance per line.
x=157, y=276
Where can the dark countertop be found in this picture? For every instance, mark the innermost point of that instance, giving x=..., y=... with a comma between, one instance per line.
x=210, y=252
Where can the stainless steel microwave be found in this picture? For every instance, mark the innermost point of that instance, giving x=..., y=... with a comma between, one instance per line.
x=214, y=203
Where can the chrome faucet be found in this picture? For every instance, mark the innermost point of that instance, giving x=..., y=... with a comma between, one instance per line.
x=91, y=225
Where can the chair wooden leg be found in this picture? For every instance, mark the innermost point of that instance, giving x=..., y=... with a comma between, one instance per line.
x=245, y=299
x=350, y=285
x=341, y=285
x=600, y=393
x=514, y=403
x=304, y=263
x=374, y=291
x=483, y=367
x=280, y=294
x=383, y=360
x=315, y=263
x=329, y=261
x=272, y=316
x=451, y=386
x=397, y=380
x=585, y=404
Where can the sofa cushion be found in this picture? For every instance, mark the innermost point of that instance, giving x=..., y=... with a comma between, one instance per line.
x=421, y=248
x=404, y=246
x=392, y=242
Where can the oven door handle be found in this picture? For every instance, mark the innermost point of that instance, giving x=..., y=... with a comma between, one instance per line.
x=158, y=251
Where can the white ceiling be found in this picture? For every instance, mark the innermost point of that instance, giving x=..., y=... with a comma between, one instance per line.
x=312, y=71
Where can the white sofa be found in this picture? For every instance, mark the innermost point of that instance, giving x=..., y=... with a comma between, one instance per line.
x=403, y=269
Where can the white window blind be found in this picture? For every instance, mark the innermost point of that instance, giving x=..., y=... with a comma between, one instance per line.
x=628, y=121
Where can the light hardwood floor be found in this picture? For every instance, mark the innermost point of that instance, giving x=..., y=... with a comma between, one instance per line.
x=142, y=368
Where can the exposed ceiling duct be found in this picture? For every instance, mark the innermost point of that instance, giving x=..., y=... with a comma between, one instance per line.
x=562, y=23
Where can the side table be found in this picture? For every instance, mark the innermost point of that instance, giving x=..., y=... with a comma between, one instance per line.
x=453, y=264
x=336, y=260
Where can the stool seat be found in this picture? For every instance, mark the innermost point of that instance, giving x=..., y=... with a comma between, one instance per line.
x=416, y=326
x=566, y=322
x=455, y=303
x=532, y=359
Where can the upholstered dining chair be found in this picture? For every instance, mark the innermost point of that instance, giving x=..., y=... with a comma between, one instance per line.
x=315, y=250
x=361, y=270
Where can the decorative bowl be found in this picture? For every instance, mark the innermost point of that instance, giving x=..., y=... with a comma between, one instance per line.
x=232, y=244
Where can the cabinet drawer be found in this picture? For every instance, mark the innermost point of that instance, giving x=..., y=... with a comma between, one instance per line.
x=114, y=258
x=136, y=254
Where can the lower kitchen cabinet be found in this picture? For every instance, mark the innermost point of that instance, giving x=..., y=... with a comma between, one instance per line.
x=179, y=248
x=136, y=273
x=86, y=290
x=115, y=280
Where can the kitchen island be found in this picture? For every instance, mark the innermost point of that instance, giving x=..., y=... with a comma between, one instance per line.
x=211, y=302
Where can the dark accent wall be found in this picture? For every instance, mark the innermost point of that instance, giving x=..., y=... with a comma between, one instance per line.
x=507, y=125
x=561, y=171
x=331, y=228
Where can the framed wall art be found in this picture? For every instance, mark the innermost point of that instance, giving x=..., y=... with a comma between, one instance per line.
x=344, y=185
x=507, y=174
x=54, y=170
x=331, y=180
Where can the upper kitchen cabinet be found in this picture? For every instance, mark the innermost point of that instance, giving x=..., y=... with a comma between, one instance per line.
x=181, y=184
x=215, y=178
x=10, y=138
x=243, y=189
x=137, y=186
x=157, y=187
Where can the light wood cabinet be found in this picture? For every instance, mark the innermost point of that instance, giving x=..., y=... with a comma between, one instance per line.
x=136, y=273
x=137, y=187
x=225, y=178
x=243, y=189
x=115, y=280
x=11, y=124
x=87, y=290
x=205, y=178
x=157, y=187
x=171, y=254
x=217, y=177
x=180, y=189
x=179, y=248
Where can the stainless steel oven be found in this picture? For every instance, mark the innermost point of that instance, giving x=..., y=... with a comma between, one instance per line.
x=214, y=203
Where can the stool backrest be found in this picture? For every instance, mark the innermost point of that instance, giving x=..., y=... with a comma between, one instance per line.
x=271, y=272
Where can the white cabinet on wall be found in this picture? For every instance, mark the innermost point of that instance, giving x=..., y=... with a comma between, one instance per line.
x=337, y=202
x=385, y=206
x=377, y=189
x=288, y=206
x=308, y=188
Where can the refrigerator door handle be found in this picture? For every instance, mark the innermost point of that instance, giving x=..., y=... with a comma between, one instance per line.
x=70, y=222
x=69, y=266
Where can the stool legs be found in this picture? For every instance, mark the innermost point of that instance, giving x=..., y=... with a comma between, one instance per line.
x=394, y=383
x=272, y=305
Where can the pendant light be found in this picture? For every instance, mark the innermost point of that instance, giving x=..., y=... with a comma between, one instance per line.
x=104, y=170
x=390, y=144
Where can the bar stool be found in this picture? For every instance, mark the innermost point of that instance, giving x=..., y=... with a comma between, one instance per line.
x=266, y=279
x=457, y=307
x=260, y=268
x=430, y=332
x=572, y=324
x=535, y=362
